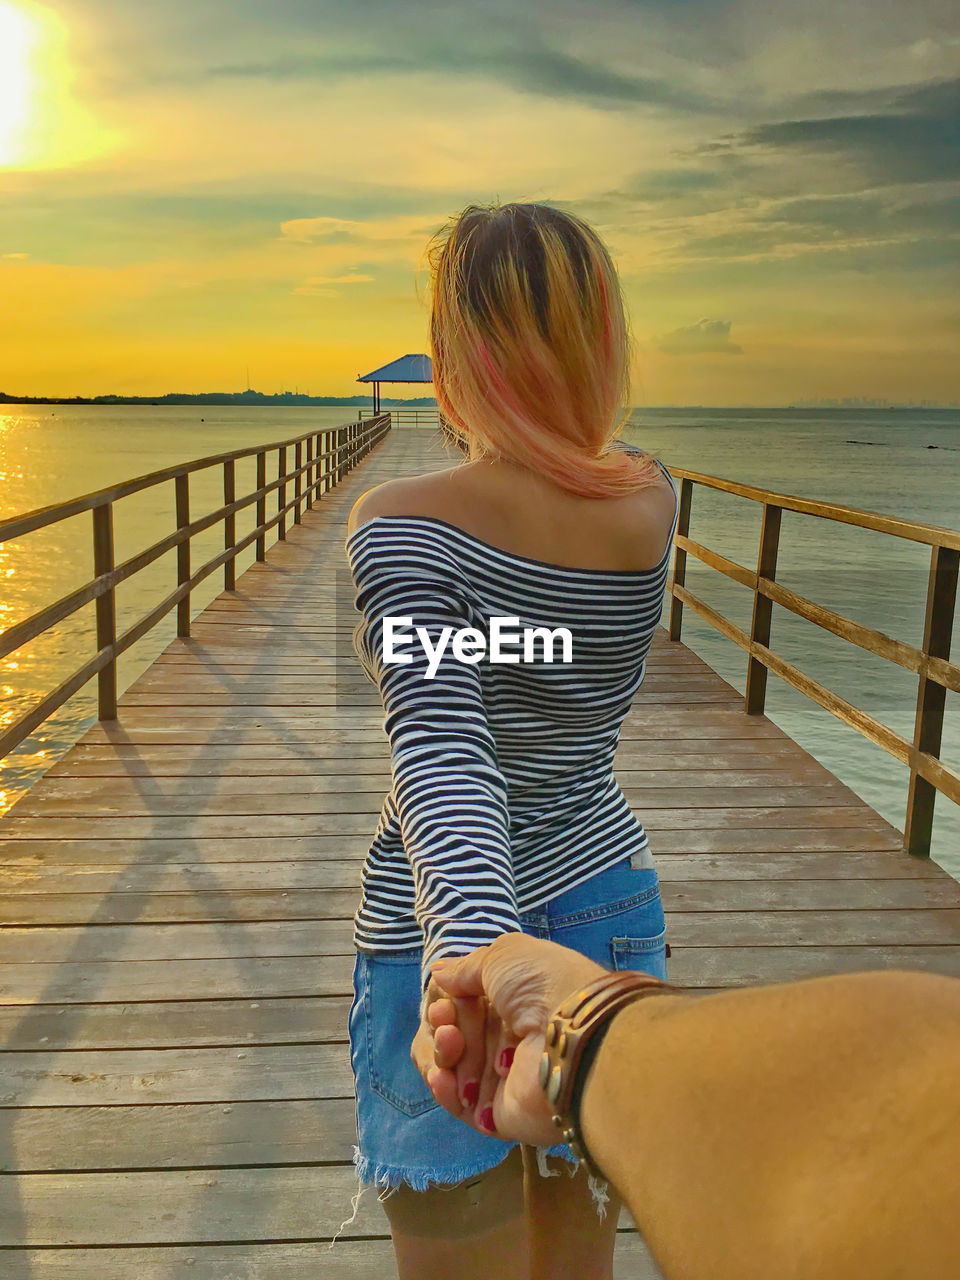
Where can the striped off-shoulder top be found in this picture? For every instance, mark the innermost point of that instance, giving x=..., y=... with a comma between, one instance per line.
x=503, y=791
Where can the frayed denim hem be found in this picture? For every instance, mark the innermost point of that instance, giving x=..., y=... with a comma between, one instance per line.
x=389, y=1177
x=597, y=1186
x=386, y=1179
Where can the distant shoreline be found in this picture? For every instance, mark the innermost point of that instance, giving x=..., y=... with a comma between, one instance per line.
x=248, y=398
x=289, y=399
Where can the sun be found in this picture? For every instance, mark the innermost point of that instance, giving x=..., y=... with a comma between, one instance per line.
x=43, y=122
x=20, y=36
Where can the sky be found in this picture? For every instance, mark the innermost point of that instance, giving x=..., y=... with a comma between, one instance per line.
x=189, y=190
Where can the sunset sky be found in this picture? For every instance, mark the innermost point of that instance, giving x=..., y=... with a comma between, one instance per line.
x=191, y=188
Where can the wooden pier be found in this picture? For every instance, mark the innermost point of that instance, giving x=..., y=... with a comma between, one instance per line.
x=177, y=897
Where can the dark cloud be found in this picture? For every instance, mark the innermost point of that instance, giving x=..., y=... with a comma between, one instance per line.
x=706, y=337
x=877, y=216
x=876, y=227
x=915, y=139
x=657, y=185
x=531, y=67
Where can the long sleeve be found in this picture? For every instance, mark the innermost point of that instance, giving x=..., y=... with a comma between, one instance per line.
x=450, y=795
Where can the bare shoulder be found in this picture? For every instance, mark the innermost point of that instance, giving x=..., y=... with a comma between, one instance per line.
x=638, y=523
x=405, y=496
x=652, y=504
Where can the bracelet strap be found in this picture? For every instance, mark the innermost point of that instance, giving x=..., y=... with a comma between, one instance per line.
x=572, y=1027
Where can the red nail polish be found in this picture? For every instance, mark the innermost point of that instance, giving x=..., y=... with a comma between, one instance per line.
x=486, y=1119
x=506, y=1059
x=471, y=1093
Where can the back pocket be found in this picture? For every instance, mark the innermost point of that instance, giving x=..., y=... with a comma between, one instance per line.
x=639, y=940
x=649, y=955
x=393, y=1015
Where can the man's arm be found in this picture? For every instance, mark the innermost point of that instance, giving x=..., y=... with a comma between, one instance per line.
x=808, y=1131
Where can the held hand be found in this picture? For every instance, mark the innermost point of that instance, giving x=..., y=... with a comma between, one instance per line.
x=469, y=1093
x=523, y=980
x=422, y=1051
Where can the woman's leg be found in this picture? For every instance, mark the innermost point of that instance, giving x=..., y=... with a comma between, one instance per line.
x=568, y=1240
x=616, y=918
x=474, y=1230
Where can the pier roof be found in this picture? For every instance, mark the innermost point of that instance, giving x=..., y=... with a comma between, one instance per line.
x=409, y=368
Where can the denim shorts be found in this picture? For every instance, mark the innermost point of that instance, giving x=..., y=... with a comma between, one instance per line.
x=403, y=1135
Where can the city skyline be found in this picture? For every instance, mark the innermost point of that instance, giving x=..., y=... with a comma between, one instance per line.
x=191, y=189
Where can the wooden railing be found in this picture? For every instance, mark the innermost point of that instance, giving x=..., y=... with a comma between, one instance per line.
x=931, y=662
x=421, y=416
x=305, y=467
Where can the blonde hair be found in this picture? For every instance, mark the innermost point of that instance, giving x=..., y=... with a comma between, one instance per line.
x=531, y=346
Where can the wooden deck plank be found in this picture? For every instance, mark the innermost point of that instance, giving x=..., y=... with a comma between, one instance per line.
x=211, y=786
x=219, y=761
x=183, y=1135
x=135, y=801
x=357, y=821
x=177, y=894
x=171, y=1024
x=128, y=1077
x=349, y=1260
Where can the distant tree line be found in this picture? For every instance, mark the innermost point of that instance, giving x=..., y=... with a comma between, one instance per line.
x=220, y=397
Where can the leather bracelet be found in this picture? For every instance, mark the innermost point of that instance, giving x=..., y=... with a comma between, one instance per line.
x=571, y=1028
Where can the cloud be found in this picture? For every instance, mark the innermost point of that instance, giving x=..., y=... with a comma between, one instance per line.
x=327, y=230
x=355, y=277
x=916, y=138
x=315, y=286
x=14, y=257
x=706, y=337
x=880, y=217
x=532, y=66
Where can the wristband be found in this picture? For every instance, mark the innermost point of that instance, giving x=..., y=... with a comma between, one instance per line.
x=576, y=1023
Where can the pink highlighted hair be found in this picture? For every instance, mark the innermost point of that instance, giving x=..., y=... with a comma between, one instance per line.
x=531, y=346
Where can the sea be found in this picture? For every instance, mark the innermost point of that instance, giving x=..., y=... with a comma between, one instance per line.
x=902, y=462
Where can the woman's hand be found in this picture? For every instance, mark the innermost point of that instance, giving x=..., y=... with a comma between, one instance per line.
x=522, y=979
x=476, y=1023
x=422, y=1048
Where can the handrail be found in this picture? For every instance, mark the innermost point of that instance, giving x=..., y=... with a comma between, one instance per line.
x=321, y=458
x=416, y=417
x=914, y=530
x=930, y=662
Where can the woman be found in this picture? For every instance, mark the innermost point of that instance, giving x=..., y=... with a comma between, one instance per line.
x=504, y=814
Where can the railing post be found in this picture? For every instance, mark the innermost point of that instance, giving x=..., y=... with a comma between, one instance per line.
x=261, y=505
x=182, y=491
x=106, y=607
x=308, y=444
x=327, y=462
x=229, y=525
x=297, y=481
x=756, y=692
x=341, y=442
x=282, y=491
x=931, y=697
x=680, y=556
